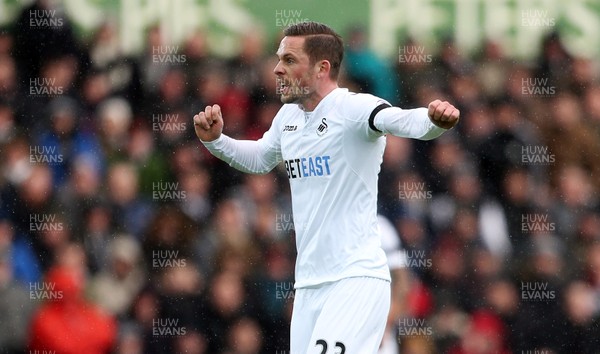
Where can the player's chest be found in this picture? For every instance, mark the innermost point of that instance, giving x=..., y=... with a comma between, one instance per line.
x=319, y=135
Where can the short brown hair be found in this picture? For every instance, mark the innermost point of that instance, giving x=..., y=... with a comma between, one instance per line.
x=321, y=42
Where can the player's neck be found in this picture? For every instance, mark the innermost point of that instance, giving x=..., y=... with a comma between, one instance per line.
x=320, y=93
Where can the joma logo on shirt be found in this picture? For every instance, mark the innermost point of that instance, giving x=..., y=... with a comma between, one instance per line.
x=290, y=128
x=310, y=166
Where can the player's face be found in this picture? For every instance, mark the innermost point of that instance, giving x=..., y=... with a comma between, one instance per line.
x=295, y=74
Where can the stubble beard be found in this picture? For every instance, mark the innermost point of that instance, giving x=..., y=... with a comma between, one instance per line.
x=298, y=95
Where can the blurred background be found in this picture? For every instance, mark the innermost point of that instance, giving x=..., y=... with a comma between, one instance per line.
x=119, y=233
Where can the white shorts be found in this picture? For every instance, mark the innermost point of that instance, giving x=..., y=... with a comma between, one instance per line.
x=347, y=316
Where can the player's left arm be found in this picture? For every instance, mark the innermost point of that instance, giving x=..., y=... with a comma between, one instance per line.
x=420, y=123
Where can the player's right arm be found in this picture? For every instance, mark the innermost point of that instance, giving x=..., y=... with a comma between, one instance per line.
x=250, y=156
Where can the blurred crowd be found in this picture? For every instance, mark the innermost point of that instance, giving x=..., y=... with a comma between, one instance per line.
x=120, y=234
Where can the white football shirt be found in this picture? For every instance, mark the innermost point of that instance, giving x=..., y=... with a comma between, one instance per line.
x=332, y=162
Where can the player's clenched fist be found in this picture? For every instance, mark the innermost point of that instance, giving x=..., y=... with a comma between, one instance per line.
x=209, y=124
x=443, y=114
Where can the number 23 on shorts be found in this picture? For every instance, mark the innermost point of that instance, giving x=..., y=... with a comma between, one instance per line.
x=323, y=345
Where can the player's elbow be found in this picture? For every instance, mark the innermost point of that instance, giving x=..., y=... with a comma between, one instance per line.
x=263, y=171
x=259, y=169
x=429, y=136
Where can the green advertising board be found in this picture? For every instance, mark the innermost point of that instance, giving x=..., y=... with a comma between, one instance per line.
x=517, y=25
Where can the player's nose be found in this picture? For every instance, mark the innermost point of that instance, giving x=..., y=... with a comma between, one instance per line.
x=278, y=70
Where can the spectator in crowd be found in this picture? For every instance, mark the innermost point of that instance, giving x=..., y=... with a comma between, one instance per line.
x=244, y=337
x=16, y=305
x=115, y=287
x=64, y=140
x=366, y=69
x=130, y=211
x=113, y=121
x=18, y=254
x=148, y=158
x=66, y=322
x=97, y=230
x=225, y=301
x=251, y=55
x=169, y=236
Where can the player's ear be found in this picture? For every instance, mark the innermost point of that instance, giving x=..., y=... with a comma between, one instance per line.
x=323, y=68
